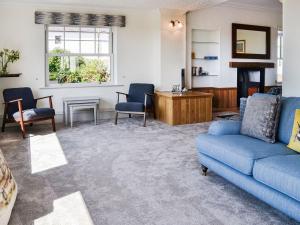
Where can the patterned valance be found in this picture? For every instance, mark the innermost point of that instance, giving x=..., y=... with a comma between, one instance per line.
x=79, y=19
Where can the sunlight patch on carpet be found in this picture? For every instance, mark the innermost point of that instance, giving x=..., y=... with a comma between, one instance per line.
x=46, y=153
x=68, y=210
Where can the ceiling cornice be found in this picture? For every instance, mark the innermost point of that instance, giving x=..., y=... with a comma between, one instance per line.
x=251, y=6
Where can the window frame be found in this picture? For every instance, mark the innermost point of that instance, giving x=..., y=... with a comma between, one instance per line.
x=110, y=54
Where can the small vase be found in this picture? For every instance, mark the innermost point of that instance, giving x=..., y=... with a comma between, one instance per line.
x=3, y=71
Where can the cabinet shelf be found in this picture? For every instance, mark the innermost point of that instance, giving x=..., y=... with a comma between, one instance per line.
x=204, y=59
x=210, y=75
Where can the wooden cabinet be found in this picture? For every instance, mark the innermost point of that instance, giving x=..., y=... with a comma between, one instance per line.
x=185, y=108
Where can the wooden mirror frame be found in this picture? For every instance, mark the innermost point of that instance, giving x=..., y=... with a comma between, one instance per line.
x=236, y=26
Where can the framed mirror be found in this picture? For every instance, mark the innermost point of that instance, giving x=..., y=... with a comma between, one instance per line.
x=250, y=41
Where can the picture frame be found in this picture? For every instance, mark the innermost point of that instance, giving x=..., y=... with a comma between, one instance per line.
x=241, y=46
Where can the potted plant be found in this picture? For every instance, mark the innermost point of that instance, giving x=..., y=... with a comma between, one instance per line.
x=7, y=56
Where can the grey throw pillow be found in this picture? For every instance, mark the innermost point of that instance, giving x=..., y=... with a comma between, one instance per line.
x=261, y=117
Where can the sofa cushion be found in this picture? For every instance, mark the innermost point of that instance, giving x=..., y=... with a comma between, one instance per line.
x=34, y=114
x=261, y=117
x=225, y=127
x=282, y=173
x=239, y=151
x=287, y=115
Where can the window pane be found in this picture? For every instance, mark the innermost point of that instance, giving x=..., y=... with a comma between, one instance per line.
x=87, y=47
x=73, y=36
x=87, y=36
x=53, y=46
x=72, y=46
x=87, y=29
x=103, y=47
x=72, y=29
x=95, y=69
x=56, y=36
x=76, y=69
x=103, y=37
x=54, y=28
x=105, y=30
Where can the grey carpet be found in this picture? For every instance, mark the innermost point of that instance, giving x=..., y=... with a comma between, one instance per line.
x=126, y=175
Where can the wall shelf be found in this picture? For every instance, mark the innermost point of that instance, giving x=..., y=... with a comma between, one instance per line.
x=10, y=75
x=210, y=75
x=205, y=59
x=204, y=44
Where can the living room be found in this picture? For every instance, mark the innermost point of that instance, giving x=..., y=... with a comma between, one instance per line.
x=149, y=112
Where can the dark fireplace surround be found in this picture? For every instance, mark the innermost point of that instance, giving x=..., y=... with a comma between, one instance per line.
x=245, y=86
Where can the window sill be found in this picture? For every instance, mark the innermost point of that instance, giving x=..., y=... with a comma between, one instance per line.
x=62, y=86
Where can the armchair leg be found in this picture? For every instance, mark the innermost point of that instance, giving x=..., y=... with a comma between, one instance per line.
x=4, y=118
x=53, y=124
x=116, y=118
x=23, y=130
x=145, y=119
x=3, y=125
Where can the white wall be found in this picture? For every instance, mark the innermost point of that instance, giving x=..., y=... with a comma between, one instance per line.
x=140, y=47
x=173, y=42
x=291, y=39
x=221, y=18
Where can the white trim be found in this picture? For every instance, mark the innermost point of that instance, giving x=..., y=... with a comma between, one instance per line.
x=80, y=85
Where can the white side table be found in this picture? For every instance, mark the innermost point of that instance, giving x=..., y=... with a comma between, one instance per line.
x=78, y=100
x=74, y=107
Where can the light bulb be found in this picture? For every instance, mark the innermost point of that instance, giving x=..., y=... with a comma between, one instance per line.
x=179, y=24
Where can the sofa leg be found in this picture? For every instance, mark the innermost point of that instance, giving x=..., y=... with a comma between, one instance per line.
x=204, y=170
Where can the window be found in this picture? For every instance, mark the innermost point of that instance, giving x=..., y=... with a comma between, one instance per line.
x=79, y=54
x=279, y=55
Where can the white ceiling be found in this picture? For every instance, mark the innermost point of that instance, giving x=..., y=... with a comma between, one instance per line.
x=154, y=4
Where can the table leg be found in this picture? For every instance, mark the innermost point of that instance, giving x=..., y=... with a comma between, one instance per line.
x=71, y=116
x=66, y=112
x=95, y=114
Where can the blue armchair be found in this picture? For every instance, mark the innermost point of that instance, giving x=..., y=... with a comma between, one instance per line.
x=20, y=107
x=139, y=101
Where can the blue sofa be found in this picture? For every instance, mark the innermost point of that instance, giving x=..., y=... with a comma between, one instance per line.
x=271, y=172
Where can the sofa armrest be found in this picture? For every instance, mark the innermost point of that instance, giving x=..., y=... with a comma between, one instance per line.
x=225, y=127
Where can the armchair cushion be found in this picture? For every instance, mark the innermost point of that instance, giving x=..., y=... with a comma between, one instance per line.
x=16, y=93
x=225, y=127
x=130, y=107
x=137, y=93
x=34, y=114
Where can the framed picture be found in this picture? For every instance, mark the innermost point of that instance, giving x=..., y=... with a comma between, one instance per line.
x=241, y=46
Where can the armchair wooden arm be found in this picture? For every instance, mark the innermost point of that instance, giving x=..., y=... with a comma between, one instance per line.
x=146, y=95
x=12, y=101
x=50, y=96
x=50, y=100
x=121, y=93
